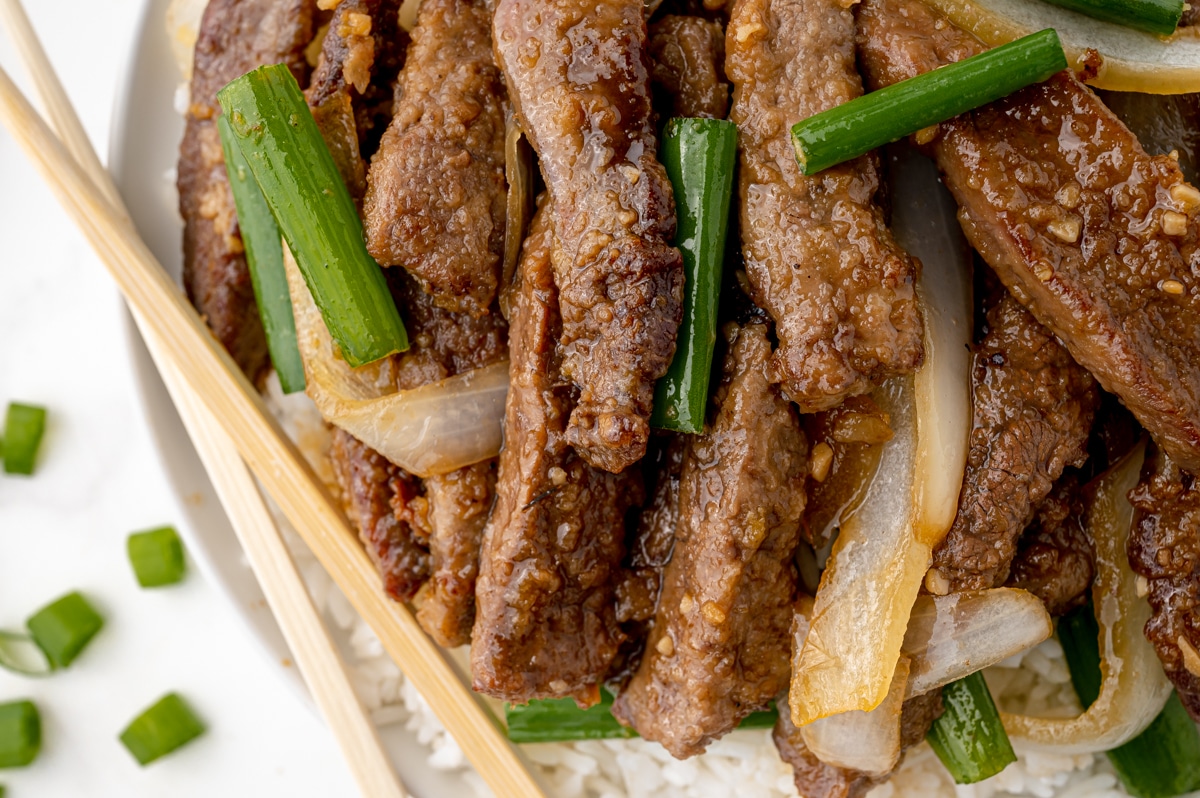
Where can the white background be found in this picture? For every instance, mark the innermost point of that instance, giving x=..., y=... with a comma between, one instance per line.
x=62, y=346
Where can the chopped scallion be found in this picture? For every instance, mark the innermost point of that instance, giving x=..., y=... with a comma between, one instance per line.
x=20, y=734
x=887, y=115
x=165, y=727
x=63, y=628
x=157, y=557
x=24, y=426
x=275, y=130
x=968, y=737
x=19, y=654
x=1159, y=17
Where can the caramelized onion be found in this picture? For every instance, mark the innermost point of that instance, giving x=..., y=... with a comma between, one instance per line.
x=868, y=742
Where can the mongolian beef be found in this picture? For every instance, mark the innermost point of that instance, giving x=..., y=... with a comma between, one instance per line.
x=594, y=552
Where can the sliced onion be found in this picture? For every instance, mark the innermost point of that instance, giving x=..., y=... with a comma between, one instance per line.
x=864, y=741
x=1133, y=688
x=953, y=636
x=434, y=429
x=884, y=546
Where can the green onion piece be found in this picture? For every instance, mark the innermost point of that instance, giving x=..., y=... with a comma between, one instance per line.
x=264, y=256
x=24, y=426
x=699, y=156
x=1161, y=762
x=968, y=737
x=1159, y=17
x=275, y=131
x=157, y=557
x=63, y=628
x=20, y=734
x=19, y=654
x=165, y=727
x=883, y=116
x=556, y=720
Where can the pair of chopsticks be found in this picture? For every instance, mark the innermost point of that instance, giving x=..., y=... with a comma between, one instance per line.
x=232, y=429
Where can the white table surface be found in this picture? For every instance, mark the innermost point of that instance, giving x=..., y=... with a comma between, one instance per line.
x=62, y=346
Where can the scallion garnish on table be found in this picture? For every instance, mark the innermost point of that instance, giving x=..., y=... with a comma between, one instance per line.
x=969, y=737
x=20, y=734
x=24, y=426
x=699, y=156
x=1159, y=17
x=275, y=131
x=166, y=726
x=21, y=655
x=63, y=628
x=891, y=113
x=157, y=557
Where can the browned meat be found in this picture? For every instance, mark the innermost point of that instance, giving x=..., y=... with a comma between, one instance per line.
x=458, y=509
x=815, y=779
x=1163, y=123
x=1032, y=412
x=576, y=72
x=385, y=503
x=546, y=621
x=818, y=255
x=720, y=645
x=1191, y=15
x=688, y=65
x=359, y=56
x=1164, y=548
x=235, y=37
x=1094, y=236
x=436, y=192
x=1054, y=560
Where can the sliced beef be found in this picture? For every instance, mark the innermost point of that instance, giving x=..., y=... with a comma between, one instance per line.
x=818, y=255
x=235, y=37
x=1032, y=411
x=1164, y=548
x=688, y=66
x=386, y=505
x=546, y=622
x=1094, y=236
x=578, y=78
x=349, y=92
x=720, y=644
x=436, y=191
x=815, y=779
x=458, y=509
x=1054, y=559
x=1163, y=123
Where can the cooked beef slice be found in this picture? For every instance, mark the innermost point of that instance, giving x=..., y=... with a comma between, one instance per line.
x=1164, y=548
x=386, y=505
x=1054, y=559
x=436, y=192
x=1095, y=237
x=688, y=65
x=815, y=779
x=719, y=647
x=818, y=255
x=1032, y=410
x=235, y=37
x=578, y=78
x=546, y=623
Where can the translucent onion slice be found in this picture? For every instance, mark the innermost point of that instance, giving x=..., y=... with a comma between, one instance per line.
x=434, y=429
x=883, y=548
x=953, y=636
x=1133, y=688
x=1133, y=61
x=864, y=741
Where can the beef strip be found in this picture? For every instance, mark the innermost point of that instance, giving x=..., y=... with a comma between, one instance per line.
x=815, y=779
x=546, y=621
x=1163, y=123
x=436, y=193
x=577, y=75
x=720, y=644
x=1054, y=559
x=458, y=509
x=1164, y=548
x=1094, y=236
x=1032, y=411
x=818, y=255
x=235, y=37
x=688, y=66
x=386, y=504
x=359, y=55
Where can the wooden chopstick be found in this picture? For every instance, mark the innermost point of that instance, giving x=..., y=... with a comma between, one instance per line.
x=315, y=652
x=197, y=361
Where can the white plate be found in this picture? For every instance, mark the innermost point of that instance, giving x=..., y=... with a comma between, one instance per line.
x=145, y=145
